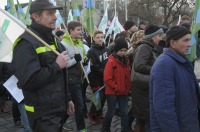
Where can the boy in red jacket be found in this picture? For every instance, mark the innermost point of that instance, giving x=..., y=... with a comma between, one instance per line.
x=117, y=81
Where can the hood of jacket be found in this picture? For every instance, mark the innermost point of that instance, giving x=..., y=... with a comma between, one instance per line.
x=69, y=40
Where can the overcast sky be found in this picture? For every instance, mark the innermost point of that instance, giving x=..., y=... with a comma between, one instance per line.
x=4, y=2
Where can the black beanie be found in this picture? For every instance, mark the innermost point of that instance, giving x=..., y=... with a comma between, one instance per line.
x=128, y=25
x=176, y=32
x=120, y=43
x=152, y=30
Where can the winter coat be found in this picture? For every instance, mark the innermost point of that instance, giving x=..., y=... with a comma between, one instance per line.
x=41, y=79
x=98, y=56
x=173, y=94
x=75, y=72
x=117, y=77
x=159, y=47
x=143, y=61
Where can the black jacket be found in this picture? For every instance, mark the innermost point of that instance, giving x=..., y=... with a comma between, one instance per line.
x=159, y=47
x=6, y=71
x=42, y=81
x=98, y=56
x=143, y=61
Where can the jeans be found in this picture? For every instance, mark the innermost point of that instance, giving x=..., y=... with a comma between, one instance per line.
x=112, y=100
x=76, y=91
x=24, y=118
x=93, y=109
x=15, y=111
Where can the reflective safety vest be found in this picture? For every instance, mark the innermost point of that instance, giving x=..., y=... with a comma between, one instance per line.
x=48, y=98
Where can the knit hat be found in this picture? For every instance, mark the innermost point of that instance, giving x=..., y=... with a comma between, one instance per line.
x=176, y=32
x=187, y=25
x=128, y=25
x=59, y=33
x=120, y=43
x=43, y=5
x=164, y=28
x=152, y=30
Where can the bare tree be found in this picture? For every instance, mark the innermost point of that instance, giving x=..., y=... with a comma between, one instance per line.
x=173, y=8
x=154, y=11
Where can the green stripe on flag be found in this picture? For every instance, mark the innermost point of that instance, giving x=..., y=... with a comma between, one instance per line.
x=5, y=25
x=96, y=100
x=194, y=34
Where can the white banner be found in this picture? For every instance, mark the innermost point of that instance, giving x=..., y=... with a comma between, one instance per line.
x=9, y=32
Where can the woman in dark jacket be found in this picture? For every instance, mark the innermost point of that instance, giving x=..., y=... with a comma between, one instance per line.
x=143, y=61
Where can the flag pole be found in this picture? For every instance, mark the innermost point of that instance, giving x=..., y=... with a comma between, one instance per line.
x=76, y=52
x=126, y=12
x=29, y=31
x=97, y=91
x=90, y=25
x=115, y=7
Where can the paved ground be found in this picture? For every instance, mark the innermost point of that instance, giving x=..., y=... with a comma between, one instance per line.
x=7, y=125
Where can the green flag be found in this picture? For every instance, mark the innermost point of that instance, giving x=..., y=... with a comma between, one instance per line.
x=89, y=17
x=96, y=100
x=195, y=28
x=11, y=8
x=76, y=13
x=27, y=15
x=20, y=12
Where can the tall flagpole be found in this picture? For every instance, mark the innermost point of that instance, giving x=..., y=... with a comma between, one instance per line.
x=115, y=8
x=126, y=16
x=104, y=5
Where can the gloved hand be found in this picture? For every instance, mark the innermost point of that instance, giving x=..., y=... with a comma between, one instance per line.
x=85, y=62
x=77, y=57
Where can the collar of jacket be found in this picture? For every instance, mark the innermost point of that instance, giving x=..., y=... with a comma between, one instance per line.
x=147, y=41
x=98, y=46
x=175, y=55
x=119, y=58
x=45, y=32
x=76, y=41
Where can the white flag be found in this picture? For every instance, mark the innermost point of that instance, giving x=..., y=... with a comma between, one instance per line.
x=70, y=16
x=104, y=22
x=9, y=32
x=111, y=28
x=118, y=27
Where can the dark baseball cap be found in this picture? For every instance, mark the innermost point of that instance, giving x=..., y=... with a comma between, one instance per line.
x=43, y=5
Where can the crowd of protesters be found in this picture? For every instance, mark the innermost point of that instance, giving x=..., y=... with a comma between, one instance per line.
x=148, y=63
